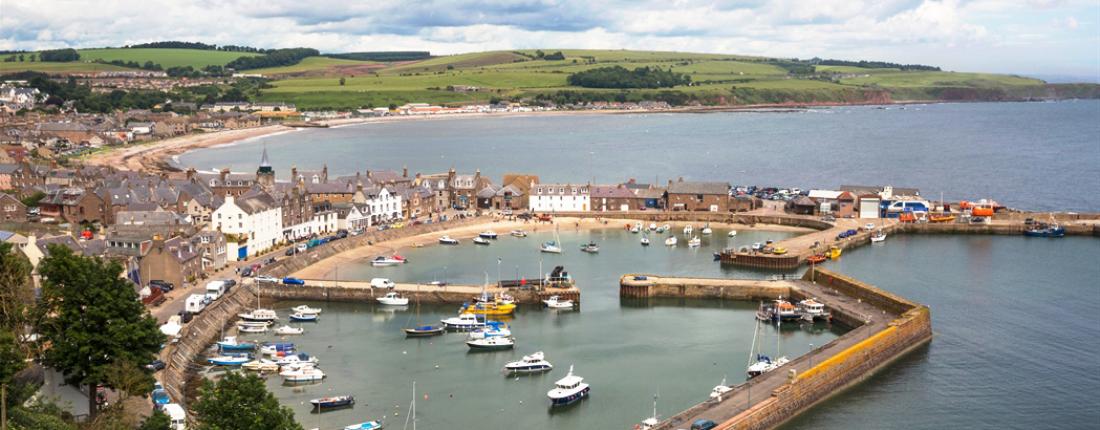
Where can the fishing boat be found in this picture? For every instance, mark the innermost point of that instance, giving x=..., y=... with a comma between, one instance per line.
x=304, y=374
x=518, y=233
x=393, y=299
x=812, y=310
x=645, y=240
x=366, y=425
x=421, y=330
x=529, y=364
x=296, y=360
x=590, y=247
x=300, y=317
x=489, y=308
x=229, y=360
x=653, y=421
x=480, y=241
x=569, y=389
x=230, y=343
x=447, y=240
x=304, y=309
x=491, y=329
x=879, y=236
x=688, y=229
x=332, y=402
x=1046, y=230
x=671, y=241
x=695, y=242
x=487, y=234
x=780, y=309
x=259, y=315
x=261, y=365
x=555, y=302
x=464, y=321
x=491, y=343
x=383, y=261
x=721, y=389
x=732, y=233
x=706, y=231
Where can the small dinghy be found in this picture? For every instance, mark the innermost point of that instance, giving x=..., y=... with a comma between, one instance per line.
x=424, y=331
x=288, y=330
x=332, y=402
x=229, y=360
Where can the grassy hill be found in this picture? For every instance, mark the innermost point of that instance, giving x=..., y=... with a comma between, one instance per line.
x=196, y=58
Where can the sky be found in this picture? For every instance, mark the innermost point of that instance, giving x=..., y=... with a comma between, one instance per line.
x=1033, y=37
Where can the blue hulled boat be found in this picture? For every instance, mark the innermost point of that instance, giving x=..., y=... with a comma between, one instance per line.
x=1046, y=231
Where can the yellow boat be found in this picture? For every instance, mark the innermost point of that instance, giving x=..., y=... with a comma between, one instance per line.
x=833, y=253
x=779, y=250
x=490, y=308
x=941, y=218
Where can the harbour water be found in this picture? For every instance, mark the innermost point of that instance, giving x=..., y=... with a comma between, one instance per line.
x=627, y=350
x=1039, y=156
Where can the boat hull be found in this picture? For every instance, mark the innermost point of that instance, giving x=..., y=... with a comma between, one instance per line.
x=333, y=404
x=424, y=332
x=493, y=347
x=570, y=399
x=304, y=318
x=529, y=368
x=1045, y=233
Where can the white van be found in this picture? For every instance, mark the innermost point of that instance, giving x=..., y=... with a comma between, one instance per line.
x=195, y=303
x=177, y=419
x=215, y=289
x=382, y=283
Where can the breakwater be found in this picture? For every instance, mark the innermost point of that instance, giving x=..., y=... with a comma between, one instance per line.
x=886, y=326
x=633, y=286
x=361, y=291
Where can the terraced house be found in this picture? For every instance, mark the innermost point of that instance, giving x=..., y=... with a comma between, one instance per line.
x=560, y=198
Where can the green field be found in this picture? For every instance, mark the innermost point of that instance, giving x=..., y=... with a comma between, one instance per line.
x=313, y=64
x=73, y=67
x=196, y=58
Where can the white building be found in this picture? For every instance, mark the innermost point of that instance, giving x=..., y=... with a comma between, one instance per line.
x=357, y=218
x=559, y=198
x=384, y=205
x=255, y=220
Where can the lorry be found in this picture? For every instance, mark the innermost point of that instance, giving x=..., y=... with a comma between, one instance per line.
x=195, y=303
x=215, y=290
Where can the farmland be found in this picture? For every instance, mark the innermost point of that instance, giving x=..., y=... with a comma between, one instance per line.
x=195, y=58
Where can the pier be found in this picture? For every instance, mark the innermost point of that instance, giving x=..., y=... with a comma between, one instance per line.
x=361, y=291
x=884, y=328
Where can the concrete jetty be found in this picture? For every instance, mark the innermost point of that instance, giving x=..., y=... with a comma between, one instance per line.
x=361, y=291
x=884, y=328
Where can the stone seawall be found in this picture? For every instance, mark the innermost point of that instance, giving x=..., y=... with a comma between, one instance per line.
x=1014, y=229
x=426, y=295
x=912, y=329
x=715, y=217
x=702, y=288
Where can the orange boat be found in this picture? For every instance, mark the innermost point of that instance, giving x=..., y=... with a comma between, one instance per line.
x=982, y=211
x=816, y=259
x=941, y=218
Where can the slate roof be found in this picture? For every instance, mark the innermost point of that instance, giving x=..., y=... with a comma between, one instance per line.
x=612, y=192
x=693, y=187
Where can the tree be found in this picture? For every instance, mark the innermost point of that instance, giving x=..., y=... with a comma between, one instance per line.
x=33, y=199
x=92, y=320
x=341, y=81
x=12, y=360
x=20, y=58
x=241, y=402
x=157, y=421
x=32, y=57
x=16, y=290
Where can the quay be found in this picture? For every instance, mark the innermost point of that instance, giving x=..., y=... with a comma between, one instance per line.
x=884, y=328
x=361, y=291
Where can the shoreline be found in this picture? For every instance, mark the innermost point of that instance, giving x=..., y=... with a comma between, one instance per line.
x=324, y=269
x=159, y=156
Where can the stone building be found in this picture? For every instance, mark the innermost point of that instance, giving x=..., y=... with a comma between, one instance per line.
x=697, y=196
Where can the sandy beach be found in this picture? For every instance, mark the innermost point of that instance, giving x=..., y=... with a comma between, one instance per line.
x=324, y=269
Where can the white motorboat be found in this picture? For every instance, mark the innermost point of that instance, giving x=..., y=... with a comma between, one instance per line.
x=706, y=231
x=720, y=389
x=463, y=322
x=518, y=233
x=636, y=228
x=695, y=242
x=251, y=328
x=298, y=316
x=591, y=248
x=481, y=241
x=732, y=233
x=491, y=343
x=491, y=329
x=529, y=364
x=663, y=228
x=304, y=309
x=229, y=360
x=812, y=310
x=259, y=315
x=296, y=360
x=447, y=240
x=555, y=302
x=393, y=299
x=231, y=343
x=487, y=234
x=288, y=330
x=652, y=226
x=688, y=229
x=671, y=241
x=307, y=374
x=879, y=236
x=383, y=261
x=569, y=389
x=277, y=350
x=645, y=240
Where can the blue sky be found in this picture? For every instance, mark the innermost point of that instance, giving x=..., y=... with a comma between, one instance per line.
x=1037, y=37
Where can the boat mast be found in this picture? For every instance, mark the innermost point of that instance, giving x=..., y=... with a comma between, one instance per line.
x=412, y=410
x=755, y=334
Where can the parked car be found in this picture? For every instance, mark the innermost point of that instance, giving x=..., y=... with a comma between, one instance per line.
x=641, y=278
x=229, y=283
x=293, y=281
x=302, y=247
x=267, y=279
x=702, y=424
x=163, y=285
x=246, y=272
x=341, y=233
x=155, y=365
x=382, y=283
x=291, y=251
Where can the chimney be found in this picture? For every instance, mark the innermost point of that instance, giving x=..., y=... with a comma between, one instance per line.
x=294, y=173
x=223, y=174
x=405, y=171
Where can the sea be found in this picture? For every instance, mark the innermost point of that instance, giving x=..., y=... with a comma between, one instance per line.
x=1034, y=156
x=1014, y=318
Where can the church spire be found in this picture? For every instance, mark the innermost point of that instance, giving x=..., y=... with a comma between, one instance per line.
x=263, y=159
